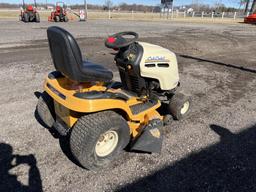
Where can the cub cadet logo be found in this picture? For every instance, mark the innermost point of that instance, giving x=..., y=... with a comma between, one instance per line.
x=155, y=133
x=156, y=59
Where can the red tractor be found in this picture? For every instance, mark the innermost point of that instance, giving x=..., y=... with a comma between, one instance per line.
x=250, y=19
x=29, y=13
x=60, y=13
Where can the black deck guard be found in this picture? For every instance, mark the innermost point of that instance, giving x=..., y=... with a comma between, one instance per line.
x=151, y=139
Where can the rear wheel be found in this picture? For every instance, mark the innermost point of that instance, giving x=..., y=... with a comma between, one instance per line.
x=45, y=109
x=26, y=17
x=179, y=106
x=96, y=139
x=65, y=19
x=37, y=18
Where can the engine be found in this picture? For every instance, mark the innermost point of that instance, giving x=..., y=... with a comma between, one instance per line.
x=145, y=67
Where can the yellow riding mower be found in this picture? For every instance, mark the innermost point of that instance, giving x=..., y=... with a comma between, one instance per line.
x=103, y=117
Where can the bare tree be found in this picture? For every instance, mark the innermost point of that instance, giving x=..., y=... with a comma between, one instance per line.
x=253, y=6
x=246, y=6
x=108, y=4
x=137, y=7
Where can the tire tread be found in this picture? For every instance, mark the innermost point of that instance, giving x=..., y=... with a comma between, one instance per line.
x=87, y=128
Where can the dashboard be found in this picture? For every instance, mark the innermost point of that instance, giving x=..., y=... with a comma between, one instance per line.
x=128, y=55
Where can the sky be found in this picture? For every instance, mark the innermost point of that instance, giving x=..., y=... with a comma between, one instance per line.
x=231, y=3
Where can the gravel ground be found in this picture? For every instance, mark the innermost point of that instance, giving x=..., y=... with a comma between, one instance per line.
x=212, y=150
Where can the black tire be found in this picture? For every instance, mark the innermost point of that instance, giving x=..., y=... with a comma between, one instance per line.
x=87, y=132
x=177, y=102
x=26, y=17
x=65, y=19
x=45, y=110
x=37, y=18
x=57, y=19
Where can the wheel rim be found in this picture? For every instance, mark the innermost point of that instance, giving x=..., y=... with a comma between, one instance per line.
x=185, y=108
x=106, y=143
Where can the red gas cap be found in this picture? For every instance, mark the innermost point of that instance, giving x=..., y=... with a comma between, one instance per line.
x=111, y=39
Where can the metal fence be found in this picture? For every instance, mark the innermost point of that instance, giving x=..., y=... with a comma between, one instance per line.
x=212, y=15
x=167, y=15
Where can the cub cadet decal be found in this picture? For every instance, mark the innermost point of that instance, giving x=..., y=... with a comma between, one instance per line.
x=151, y=59
x=155, y=132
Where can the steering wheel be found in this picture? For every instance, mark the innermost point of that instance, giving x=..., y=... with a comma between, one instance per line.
x=118, y=40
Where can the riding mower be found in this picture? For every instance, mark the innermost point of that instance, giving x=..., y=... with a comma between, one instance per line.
x=102, y=117
x=29, y=14
x=60, y=14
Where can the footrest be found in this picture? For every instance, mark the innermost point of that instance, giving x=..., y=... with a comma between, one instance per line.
x=151, y=138
x=138, y=108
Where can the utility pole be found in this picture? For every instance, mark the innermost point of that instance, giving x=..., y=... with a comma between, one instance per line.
x=85, y=7
x=35, y=3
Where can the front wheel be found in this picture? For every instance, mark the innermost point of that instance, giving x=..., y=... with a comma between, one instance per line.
x=37, y=18
x=96, y=139
x=179, y=106
x=26, y=17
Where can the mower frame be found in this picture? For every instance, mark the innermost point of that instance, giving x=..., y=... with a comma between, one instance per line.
x=69, y=108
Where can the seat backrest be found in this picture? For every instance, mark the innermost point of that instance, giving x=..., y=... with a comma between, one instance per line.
x=65, y=52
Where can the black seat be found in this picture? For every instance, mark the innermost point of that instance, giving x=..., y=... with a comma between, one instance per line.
x=67, y=58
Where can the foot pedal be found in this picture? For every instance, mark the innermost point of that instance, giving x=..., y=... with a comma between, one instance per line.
x=61, y=127
x=138, y=108
x=151, y=139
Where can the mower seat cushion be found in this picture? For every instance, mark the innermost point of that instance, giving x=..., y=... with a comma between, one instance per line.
x=96, y=71
x=67, y=58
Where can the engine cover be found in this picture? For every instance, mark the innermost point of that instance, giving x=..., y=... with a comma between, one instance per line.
x=160, y=64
